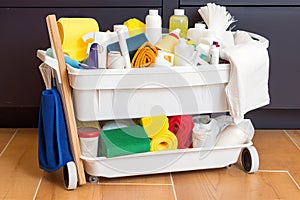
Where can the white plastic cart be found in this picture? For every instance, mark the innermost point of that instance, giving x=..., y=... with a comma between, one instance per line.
x=133, y=93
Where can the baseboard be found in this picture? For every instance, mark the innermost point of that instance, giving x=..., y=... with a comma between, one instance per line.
x=275, y=118
x=27, y=117
x=19, y=117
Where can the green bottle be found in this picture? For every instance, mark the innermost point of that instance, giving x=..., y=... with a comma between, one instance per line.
x=179, y=20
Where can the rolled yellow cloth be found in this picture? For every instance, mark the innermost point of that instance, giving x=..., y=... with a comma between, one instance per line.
x=145, y=56
x=164, y=141
x=156, y=128
x=155, y=125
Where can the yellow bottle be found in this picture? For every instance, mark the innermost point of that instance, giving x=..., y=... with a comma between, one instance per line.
x=179, y=20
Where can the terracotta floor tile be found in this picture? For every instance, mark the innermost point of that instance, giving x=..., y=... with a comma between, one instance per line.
x=295, y=136
x=19, y=171
x=52, y=188
x=233, y=183
x=277, y=152
x=5, y=135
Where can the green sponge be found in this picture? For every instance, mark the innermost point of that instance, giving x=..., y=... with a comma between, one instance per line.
x=123, y=141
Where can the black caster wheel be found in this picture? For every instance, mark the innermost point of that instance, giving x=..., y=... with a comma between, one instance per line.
x=93, y=179
x=250, y=159
x=70, y=176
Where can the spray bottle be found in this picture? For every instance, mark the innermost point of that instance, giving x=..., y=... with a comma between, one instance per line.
x=214, y=53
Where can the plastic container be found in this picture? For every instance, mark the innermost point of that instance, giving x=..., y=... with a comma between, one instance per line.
x=165, y=161
x=88, y=137
x=153, y=27
x=183, y=53
x=179, y=20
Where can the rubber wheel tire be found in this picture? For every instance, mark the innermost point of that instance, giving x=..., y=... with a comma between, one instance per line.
x=93, y=179
x=70, y=176
x=250, y=159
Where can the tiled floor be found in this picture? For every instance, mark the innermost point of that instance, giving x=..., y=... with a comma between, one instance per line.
x=278, y=176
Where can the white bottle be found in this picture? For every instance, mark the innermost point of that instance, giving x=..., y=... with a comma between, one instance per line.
x=214, y=55
x=194, y=33
x=153, y=27
x=183, y=53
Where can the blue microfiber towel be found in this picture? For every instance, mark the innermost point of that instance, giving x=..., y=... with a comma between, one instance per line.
x=53, y=143
x=133, y=44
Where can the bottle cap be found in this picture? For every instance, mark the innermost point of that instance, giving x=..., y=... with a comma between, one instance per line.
x=88, y=132
x=153, y=12
x=175, y=33
x=179, y=11
x=200, y=26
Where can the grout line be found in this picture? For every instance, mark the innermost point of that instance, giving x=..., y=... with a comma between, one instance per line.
x=173, y=186
x=137, y=184
x=38, y=187
x=283, y=171
x=291, y=139
x=12, y=137
x=275, y=171
x=294, y=180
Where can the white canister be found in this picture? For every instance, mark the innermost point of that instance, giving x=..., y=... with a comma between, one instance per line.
x=88, y=137
x=115, y=60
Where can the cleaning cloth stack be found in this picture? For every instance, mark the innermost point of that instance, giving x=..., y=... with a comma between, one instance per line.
x=123, y=141
x=182, y=127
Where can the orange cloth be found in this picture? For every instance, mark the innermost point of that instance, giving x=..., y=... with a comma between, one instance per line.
x=145, y=56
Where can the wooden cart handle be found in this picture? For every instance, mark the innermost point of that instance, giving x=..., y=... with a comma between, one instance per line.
x=66, y=96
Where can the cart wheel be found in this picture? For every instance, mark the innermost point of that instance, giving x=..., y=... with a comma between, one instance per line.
x=93, y=179
x=250, y=159
x=70, y=176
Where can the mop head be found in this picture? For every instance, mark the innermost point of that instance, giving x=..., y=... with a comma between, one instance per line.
x=216, y=17
x=123, y=141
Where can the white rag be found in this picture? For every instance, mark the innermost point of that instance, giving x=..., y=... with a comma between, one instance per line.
x=247, y=88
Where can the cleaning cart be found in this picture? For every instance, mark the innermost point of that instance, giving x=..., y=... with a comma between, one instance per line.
x=103, y=94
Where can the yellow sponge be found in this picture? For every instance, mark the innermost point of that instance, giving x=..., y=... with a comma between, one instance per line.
x=135, y=26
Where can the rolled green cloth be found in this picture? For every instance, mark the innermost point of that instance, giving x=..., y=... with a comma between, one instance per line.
x=123, y=141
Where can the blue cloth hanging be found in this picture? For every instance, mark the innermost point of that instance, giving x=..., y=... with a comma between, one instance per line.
x=53, y=144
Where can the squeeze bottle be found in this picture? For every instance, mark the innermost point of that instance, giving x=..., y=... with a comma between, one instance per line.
x=153, y=27
x=183, y=53
x=179, y=20
x=169, y=41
